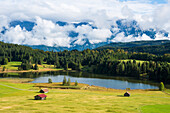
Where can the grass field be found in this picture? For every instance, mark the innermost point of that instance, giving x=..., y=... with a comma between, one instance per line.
x=155, y=109
x=137, y=61
x=18, y=97
x=13, y=67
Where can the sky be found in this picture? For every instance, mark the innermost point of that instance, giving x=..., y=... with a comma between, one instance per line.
x=103, y=14
x=149, y=1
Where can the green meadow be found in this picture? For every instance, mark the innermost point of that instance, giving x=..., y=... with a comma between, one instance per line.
x=12, y=67
x=16, y=96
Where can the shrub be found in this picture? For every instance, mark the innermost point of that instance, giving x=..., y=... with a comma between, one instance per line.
x=161, y=86
x=49, y=80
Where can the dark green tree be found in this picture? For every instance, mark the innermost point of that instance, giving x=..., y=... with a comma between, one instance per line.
x=36, y=67
x=79, y=67
x=5, y=61
x=64, y=81
x=161, y=86
x=76, y=83
x=66, y=66
x=69, y=82
x=50, y=80
x=4, y=68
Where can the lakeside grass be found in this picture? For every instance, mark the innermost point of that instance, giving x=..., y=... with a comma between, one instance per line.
x=84, y=101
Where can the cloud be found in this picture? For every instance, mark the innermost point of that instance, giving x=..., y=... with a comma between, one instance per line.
x=64, y=10
x=127, y=12
x=101, y=13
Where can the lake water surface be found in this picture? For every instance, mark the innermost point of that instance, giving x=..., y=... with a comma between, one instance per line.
x=86, y=78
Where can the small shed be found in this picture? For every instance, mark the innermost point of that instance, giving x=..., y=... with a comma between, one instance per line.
x=40, y=97
x=44, y=91
x=127, y=94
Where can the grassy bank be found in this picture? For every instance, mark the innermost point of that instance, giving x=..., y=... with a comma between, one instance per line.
x=85, y=100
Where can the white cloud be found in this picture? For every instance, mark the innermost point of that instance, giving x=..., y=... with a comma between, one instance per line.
x=127, y=12
x=3, y=22
x=102, y=13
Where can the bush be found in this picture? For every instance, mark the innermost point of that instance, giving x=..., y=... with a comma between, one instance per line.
x=161, y=86
x=49, y=80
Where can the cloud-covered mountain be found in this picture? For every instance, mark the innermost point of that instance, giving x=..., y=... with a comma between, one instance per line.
x=77, y=35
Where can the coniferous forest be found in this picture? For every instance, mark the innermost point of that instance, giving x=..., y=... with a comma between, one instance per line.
x=118, y=62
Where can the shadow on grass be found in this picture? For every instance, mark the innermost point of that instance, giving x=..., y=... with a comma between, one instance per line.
x=31, y=99
x=122, y=96
x=15, y=65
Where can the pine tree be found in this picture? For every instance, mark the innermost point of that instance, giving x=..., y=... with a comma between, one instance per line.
x=36, y=67
x=50, y=80
x=69, y=82
x=4, y=68
x=66, y=66
x=64, y=81
x=76, y=83
x=79, y=67
x=161, y=86
x=5, y=61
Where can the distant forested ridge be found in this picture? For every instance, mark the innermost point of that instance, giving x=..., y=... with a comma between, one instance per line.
x=105, y=45
x=105, y=61
x=159, y=47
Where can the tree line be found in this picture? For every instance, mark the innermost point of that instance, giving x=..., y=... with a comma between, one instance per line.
x=107, y=61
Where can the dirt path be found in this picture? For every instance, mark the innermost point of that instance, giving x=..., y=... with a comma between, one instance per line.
x=16, y=88
x=11, y=87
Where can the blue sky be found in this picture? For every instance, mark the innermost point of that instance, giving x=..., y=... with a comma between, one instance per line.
x=150, y=1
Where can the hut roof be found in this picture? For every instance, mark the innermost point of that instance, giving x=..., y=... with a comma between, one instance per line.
x=42, y=95
x=45, y=90
x=127, y=93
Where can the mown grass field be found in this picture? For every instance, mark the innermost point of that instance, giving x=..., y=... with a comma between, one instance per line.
x=21, y=100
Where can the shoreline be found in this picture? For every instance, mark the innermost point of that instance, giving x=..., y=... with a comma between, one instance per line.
x=57, y=85
x=62, y=70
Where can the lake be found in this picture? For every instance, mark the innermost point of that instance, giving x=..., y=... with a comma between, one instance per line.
x=86, y=78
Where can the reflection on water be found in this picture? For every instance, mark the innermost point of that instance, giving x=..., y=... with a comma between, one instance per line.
x=87, y=78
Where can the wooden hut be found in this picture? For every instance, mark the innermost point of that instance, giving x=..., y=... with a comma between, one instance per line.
x=40, y=97
x=44, y=91
x=127, y=94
